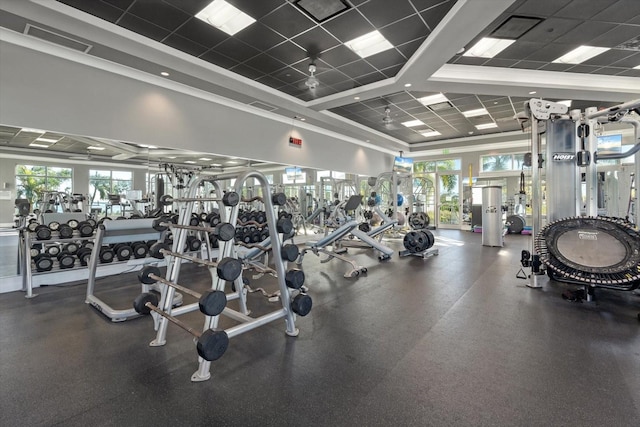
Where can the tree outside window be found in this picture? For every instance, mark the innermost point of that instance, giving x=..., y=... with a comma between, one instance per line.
x=33, y=181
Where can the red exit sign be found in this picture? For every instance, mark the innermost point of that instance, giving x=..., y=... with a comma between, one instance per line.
x=297, y=142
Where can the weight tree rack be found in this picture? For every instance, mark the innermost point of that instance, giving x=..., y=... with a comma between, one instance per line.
x=165, y=313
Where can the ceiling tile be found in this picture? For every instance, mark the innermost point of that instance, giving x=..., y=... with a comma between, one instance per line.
x=550, y=29
x=256, y=9
x=405, y=31
x=582, y=69
x=348, y=26
x=370, y=78
x=421, y=5
x=218, y=59
x=630, y=73
x=345, y=85
x=541, y=7
x=159, y=13
x=408, y=49
x=386, y=59
x=184, y=45
x=498, y=62
x=520, y=50
x=380, y=13
x=356, y=68
x=259, y=36
x=332, y=77
x=265, y=63
x=288, y=21
x=392, y=71
x=585, y=33
x=529, y=65
x=288, y=53
x=190, y=6
x=434, y=15
x=583, y=9
x=245, y=70
x=289, y=75
x=339, y=55
x=235, y=49
x=120, y=4
x=551, y=52
x=96, y=8
x=618, y=35
x=610, y=71
x=468, y=60
x=142, y=27
x=316, y=40
x=621, y=11
x=628, y=62
x=270, y=81
x=201, y=33
x=554, y=67
x=609, y=57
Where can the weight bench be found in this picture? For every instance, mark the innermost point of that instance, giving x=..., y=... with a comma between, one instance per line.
x=320, y=247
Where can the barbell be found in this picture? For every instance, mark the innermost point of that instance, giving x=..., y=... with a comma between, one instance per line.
x=211, y=344
x=228, y=268
x=230, y=198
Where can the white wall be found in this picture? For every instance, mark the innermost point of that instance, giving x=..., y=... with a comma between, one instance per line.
x=45, y=91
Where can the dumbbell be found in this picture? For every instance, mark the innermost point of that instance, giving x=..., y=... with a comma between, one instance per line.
x=53, y=250
x=35, y=250
x=123, y=251
x=87, y=244
x=211, y=344
x=228, y=268
x=194, y=221
x=85, y=228
x=301, y=304
x=140, y=250
x=32, y=225
x=294, y=278
x=213, y=219
x=106, y=255
x=193, y=243
x=84, y=254
x=43, y=232
x=54, y=225
x=279, y=199
x=73, y=223
x=43, y=262
x=213, y=240
x=65, y=231
x=284, y=225
x=66, y=260
x=71, y=248
x=289, y=252
x=210, y=302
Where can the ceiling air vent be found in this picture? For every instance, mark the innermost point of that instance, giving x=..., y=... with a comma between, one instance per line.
x=441, y=106
x=263, y=106
x=515, y=27
x=56, y=38
x=633, y=44
x=321, y=10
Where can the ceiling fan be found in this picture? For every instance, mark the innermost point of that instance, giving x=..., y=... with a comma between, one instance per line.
x=387, y=120
x=312, y=81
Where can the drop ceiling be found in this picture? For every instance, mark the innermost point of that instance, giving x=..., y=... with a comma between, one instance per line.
x=266, y=64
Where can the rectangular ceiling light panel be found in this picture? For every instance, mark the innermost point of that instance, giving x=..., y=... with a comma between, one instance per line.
x=475, y=113
x=95, y=147
x=49, y=140
x=488, y=47
x=430, y=133
x=433, y=99
x=33, y=144
x=580, y=54
x=225, y=17
x=486, y=126
x=413, y=123
x=369, y=44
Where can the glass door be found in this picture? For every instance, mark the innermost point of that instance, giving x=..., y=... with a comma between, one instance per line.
x=449, y=212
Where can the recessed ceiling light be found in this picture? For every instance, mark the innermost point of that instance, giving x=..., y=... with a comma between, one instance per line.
x=566, y=102
x=580, y=54
x=413, y=123
x=216, y=164
x=164, y=73
x=95, y=147
x=486, y=126
x=232, y=162
x=488, y=47
x=33, y=144
x=369, y=44
x=430, y=133
x=407, y=85
x=225, y=17
x=470, y=132
x=636, y=67
x=475, y=113
x=49, y=140
x=30, y=130
x=356, y=97
x=171, y=157
x=146, y=146
x=533, y=92
x=205, y=159
x=433, y=99
x=191, y=162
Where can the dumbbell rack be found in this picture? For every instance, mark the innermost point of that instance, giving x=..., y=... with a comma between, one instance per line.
x=226, y=249
x=113, y=232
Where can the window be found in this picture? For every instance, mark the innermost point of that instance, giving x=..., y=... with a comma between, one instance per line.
x=33, y=181
x=501, y=162
x=103, y=183
x=437, y=165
